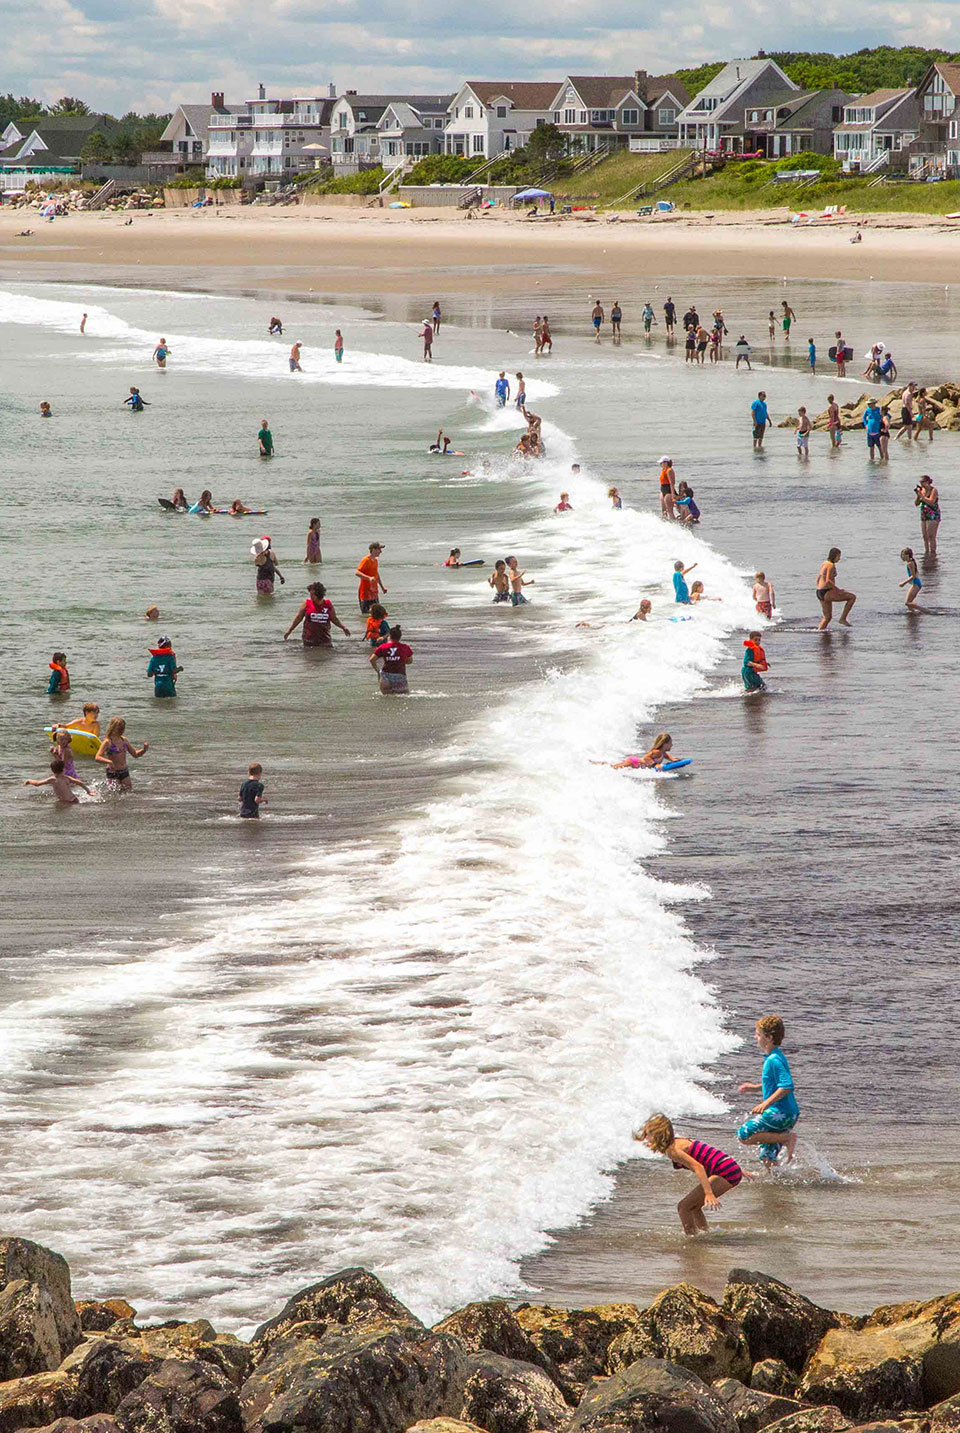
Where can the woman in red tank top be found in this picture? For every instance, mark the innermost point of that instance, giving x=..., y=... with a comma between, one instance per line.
x=716, y=1172
x=317, y=615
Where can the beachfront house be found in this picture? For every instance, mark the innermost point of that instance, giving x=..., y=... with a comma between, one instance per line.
x=935, y=153
x=185, y=142
x=794, y=123
x=486, y=118
x=715, y=118
x=614, y=111
x=358, y=123
x=875, y=130
x=46, y=147
x=269, y=139
x=408, y=132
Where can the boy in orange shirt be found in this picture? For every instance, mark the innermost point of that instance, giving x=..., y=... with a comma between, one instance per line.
x=369, y=574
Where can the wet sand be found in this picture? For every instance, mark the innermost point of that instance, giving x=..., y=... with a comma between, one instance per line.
x=418, y=251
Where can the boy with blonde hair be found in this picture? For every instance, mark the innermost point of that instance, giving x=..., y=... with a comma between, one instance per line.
x=778, y=1111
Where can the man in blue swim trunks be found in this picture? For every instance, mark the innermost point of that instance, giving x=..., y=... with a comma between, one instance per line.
x=778, y=1111
x=597, y=318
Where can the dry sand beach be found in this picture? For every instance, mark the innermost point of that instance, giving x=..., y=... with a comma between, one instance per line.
x=424, y=250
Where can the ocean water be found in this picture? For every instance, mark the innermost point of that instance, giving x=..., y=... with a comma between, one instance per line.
x=411, y=1018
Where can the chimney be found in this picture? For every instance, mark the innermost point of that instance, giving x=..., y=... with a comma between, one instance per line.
x=262, y=94
x=761, y=54
x=331, y=90
x=216, y=99
x=640, y=83
x=351, y=92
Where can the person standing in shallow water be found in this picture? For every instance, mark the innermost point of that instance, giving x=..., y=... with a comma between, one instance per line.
x=927, y=499
x=828, y=592
x=394, y=657
x=265, y=440
x=716, y=1173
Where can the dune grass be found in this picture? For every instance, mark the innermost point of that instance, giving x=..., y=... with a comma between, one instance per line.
x=605, y=184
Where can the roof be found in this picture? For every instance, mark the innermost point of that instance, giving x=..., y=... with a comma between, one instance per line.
x=522, y=94
x=950, y=72
x=61, y=139
x=659, y=85
x=733, y=75
x=407, y=117
x=875, y=97
x=603, y=91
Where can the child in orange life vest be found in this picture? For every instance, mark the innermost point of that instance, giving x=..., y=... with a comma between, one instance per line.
x=754, y=662
x=378, y=628
x=59, y=683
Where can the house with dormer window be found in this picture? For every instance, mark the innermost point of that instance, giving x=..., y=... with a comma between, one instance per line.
x=714, y=120
x=408, y=132
x=612, y=111
x=356, y=126
x=876, y=128
x=936, y=151
x=791, y=123
x=490, y=117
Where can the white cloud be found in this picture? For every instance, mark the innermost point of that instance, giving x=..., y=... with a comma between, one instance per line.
x=149, y=54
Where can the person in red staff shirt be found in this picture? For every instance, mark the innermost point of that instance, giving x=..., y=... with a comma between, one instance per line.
x=395, y=657
x=369, y=575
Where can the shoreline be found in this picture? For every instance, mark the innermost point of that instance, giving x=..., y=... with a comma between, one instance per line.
x=312, y=251
x=345, y=1353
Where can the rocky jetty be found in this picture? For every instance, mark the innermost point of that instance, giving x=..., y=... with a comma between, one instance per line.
x=944, y=403
x=345, y=1356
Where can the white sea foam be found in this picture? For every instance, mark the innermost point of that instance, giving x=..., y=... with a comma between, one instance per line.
x=422, y=1054
x=262, y=359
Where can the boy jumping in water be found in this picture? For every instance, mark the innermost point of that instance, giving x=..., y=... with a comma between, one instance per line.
x=778, y=1111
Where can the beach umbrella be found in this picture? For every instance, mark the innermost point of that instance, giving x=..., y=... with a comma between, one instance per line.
x=533, y=194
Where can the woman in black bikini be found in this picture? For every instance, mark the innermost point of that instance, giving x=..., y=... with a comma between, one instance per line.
x=828, y=592
x=928, y=501
x=113, y=753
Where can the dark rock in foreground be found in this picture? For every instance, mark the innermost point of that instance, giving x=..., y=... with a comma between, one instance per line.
x=686, y=1327
x=492, y=1325
x=504, y=1395
x=751, y=1409
x=182, y=1397
x=346, y=1356
x=576, y=1340
x=652, y=1394
x=354, y=1381
x=777, y=1321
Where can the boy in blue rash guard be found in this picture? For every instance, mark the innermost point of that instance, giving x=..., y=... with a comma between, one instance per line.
x=778, y=1111
x=681, y=593
x=163, y=669
x=502, y=387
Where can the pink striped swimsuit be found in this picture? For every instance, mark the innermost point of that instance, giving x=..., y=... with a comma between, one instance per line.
x=714, y=1162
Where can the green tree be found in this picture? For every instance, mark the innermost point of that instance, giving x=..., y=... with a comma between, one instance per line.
x=96, y=149
x=69, y=105
x=12, y=108
x=546, y=142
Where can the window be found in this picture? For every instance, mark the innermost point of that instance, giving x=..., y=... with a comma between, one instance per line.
x=583, y=116
x=630, y=116
x=342, y=119
x=954, y=129
x=501, y=111
x=468, y=111
x=556, y=117
x=569, y=116
x=667, y=115
x=478, y=144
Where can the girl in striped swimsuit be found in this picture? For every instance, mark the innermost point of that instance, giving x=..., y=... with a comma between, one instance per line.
x=716, y=1172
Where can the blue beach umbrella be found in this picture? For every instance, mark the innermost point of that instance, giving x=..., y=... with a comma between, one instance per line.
x=533, y=194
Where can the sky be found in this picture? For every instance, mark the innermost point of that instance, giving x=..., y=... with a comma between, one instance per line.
x=151, y=54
